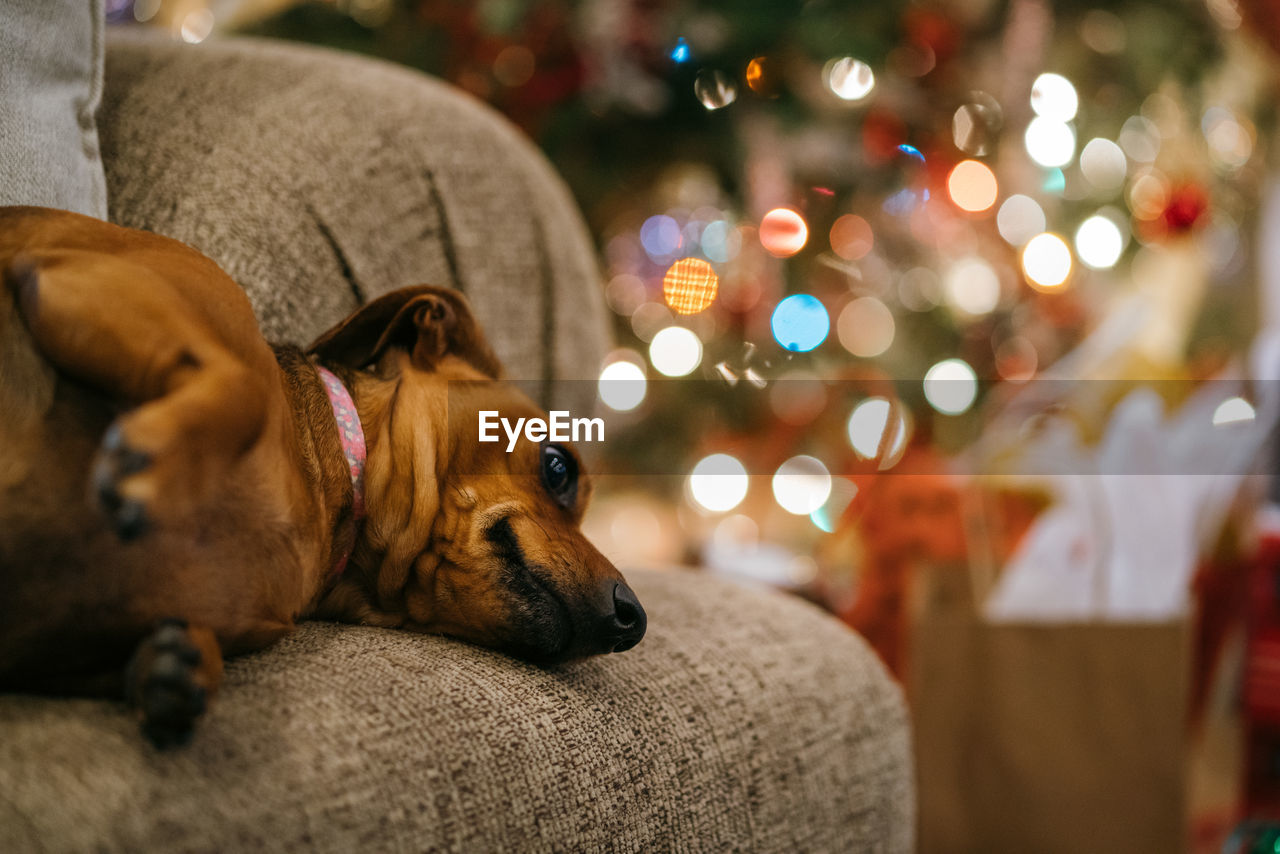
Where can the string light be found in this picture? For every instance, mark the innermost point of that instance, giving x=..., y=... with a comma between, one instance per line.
x=951, y=386
x=850, y=79
x=675, y=351
x=973, y=186
x=719, y=483
x=1046, y=261
x=1099, y=242
x=801, y=485
x=1233, y=410
x=800, y=323
x=622, y=385
x=783, y=232
x=1049, y=142
x=690, y=285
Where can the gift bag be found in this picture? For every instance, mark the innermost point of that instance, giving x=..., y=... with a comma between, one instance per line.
x=1048, y=737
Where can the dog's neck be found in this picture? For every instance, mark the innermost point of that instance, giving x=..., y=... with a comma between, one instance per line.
x=322, y=460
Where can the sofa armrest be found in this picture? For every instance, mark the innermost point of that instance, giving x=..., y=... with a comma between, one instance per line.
x=320, y=180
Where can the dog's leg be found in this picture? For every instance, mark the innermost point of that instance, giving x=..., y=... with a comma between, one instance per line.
x=172, y=676
x=196, y=406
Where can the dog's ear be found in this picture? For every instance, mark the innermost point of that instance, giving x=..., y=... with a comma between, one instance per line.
x=424, y=321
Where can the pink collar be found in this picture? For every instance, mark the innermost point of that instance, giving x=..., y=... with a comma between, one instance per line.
x=353, y=446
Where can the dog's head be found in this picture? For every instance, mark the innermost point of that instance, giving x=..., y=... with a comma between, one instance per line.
x=463, y=537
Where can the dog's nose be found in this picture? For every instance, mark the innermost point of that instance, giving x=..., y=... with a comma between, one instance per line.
x=627, y=624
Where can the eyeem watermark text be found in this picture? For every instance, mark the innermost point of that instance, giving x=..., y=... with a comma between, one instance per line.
x=560, y=428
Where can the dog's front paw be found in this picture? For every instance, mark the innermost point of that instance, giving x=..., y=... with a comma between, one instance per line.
x=164, y=685
x=117, y=462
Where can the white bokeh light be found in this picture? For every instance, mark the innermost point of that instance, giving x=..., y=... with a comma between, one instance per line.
x=867, y=423
x=1019, y=219
x=1053, y=97
x=972, y=286
x=1099, y=242
x=675, y=351
x=622, y=385
x=850, y=79
x=1050, y=143
x=951, y=386
x=801, y=485
x=1233, y=410
x=1103, y=164
x=718, y=483
x=1046, y=261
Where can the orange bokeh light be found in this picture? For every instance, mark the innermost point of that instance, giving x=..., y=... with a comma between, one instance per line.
x=690, y=285
x=973, y=186
x=755, y=74
x=783, y=232
x=851, y=237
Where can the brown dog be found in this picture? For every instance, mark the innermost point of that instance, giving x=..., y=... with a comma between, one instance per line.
x=173, y=489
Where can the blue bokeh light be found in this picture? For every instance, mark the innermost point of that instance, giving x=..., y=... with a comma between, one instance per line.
x=911, y=151
x=680, y=53
x=800, y=323
x=660, y=236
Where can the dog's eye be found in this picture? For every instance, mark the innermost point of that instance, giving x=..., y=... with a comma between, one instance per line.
x=559, y=474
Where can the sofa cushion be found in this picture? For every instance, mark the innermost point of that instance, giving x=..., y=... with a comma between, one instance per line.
x=745, y=720
x=50, y=84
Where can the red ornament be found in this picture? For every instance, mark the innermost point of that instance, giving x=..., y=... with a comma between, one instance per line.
x=1187, y=203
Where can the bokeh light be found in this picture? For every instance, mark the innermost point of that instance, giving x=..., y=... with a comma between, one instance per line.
x=850, y=79
x=721, y=241
x=648, y=318
x=783, y=232
x=690, y=285
x=1099, y=242
x=1016, y=359
x=800, y=323
x=1053, y=97
x=660, y=236
x=622, y=385
x=1230, y=140
x=972, y=286
x=1103, y=164
x=798, y=397
x=973, y=186
x=196, y=26
x=1046, y=261
x=851, y=237
x=718, y=483
x=625, y=293
x=1140, y=139
x=715, y=89
x=1050, y=143
x=1233, y=410
x=866, y=426
x=976, y=125
x=865, y=327
x=801, y=485
x=675, y=351
x=513, y=66
x=757, y=75
x=951, y=386
x=1019, y=219
x=827, y=517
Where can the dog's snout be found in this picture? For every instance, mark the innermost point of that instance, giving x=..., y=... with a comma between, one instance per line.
x=626, y=626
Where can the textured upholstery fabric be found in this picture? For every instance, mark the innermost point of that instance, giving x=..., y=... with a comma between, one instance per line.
x=319, y=180
x=50, y=83
x=744, y=721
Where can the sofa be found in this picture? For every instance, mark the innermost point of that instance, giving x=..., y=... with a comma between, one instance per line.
x=746, y=720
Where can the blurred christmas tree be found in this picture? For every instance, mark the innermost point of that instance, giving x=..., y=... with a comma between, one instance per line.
x=858, y=228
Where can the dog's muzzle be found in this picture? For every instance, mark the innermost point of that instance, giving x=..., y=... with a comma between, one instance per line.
x=623, y=624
